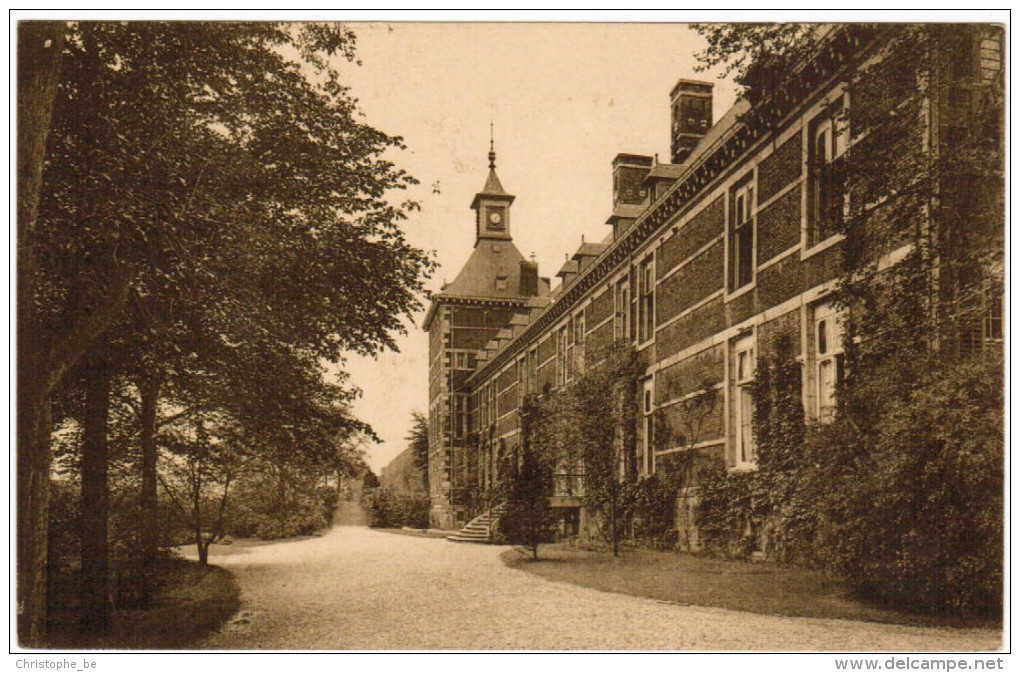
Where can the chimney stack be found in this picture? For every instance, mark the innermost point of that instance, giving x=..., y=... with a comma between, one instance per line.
x=629, y=171
x=691, y=105
x=529, y=279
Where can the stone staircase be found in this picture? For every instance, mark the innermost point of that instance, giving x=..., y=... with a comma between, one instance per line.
x=479, y=529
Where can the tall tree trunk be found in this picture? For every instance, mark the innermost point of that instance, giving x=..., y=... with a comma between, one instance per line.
x=39, y=49
x=95, y=501
x=148, y=535
x=615, y=530
x=203, y=548
x=34, y=427
x=196, y=504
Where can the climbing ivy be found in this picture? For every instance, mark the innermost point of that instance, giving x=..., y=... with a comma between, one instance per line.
x=764, y=510
x=902, y=493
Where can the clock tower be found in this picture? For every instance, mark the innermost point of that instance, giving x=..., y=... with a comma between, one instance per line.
x=492, y=206
x=494, y=292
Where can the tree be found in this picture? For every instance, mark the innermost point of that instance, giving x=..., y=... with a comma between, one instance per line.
x=369, y=480
x=205, y=183
x=95, y=613
x=40, y=45
x=207, y=461
x=527, y=520
x=418, y=442
x=591, y=422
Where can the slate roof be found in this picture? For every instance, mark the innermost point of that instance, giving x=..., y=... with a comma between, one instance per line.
x=666, y=171
x=628, y=211
x=493, y=189
x=489, y=259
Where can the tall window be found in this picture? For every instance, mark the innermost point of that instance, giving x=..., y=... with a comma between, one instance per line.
x=561, y=356
x=492, y=404
x=579, y=328
x=521, y=383
x=484, y=408
x=621, y=310
x=742, y=235
x=648, y=420
x=827, y=143
x=571, y=348
x=828, y=347
x=742, y=374
x=531, y=371
x=646, y=300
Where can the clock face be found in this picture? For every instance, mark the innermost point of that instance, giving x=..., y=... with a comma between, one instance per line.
x=495, y=217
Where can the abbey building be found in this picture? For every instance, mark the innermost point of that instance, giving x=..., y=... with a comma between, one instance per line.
x=709, y=263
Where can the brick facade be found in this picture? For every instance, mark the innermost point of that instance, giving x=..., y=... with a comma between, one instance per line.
x=707, y=330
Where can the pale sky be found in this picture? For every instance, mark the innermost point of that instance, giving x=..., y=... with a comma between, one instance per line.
x=564, y=98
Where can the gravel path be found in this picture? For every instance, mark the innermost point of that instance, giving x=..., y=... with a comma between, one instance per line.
x=356, y=588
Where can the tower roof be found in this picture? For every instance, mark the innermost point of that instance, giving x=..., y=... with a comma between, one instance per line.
x=493, y=190
x=490, y=260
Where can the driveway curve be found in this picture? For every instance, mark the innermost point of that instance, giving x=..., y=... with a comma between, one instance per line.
x=356, y=588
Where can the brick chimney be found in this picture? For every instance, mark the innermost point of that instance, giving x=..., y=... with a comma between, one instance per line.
x=629, y=171
x=691, y=105
x=529, y=279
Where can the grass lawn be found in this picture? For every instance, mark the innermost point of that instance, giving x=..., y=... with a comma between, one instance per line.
x=686, y=579
x=418, y=532
x=239, y=545
x=193, y=602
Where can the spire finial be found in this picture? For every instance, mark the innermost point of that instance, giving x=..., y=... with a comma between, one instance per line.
x=492, y=148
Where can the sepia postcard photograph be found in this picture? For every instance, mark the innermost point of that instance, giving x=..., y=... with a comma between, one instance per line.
x=644, y=333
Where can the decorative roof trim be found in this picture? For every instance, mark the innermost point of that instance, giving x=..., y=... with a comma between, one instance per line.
x=440, y=298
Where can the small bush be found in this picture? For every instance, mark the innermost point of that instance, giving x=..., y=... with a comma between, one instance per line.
x=390, y=509
x=652, y=504
x=526, y=524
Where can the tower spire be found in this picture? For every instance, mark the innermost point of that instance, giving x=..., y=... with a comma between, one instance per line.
x=492, y=148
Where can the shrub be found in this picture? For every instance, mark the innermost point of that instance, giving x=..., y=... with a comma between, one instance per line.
x=526, y=524
x=919, y=520
x=652, y=504
x=254, y=514
x=910, y=512
x=391, y=509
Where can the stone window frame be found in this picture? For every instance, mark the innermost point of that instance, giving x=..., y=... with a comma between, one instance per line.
x=740, y=372
x=645, y=332
x=825, y=346
x=621, y=308
x=741, y=195
x=832, y=110
x=648, y=407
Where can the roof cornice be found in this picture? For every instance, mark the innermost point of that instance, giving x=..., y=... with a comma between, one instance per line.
x=464, y=300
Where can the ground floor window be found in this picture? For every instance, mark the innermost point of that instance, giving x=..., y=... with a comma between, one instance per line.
x=742, y=366
x=648, y=434
x=827, y=342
